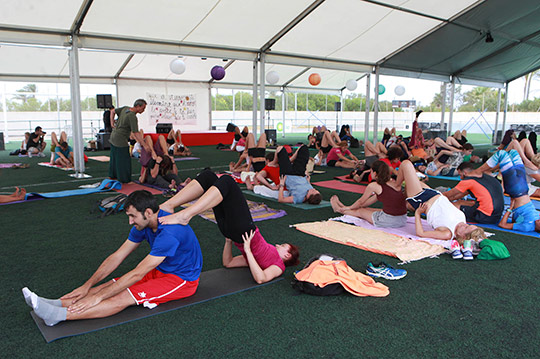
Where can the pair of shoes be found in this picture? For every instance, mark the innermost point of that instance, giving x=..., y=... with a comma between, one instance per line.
x=468, y=250
x=383, y=270
x=465, y=252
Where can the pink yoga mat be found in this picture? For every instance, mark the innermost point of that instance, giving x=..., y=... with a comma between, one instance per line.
x=128, y=188
x=348, y=187
x=344, y=178
x=9, y=165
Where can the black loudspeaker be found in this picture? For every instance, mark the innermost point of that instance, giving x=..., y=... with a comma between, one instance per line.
x=269, y=104
x=231, y=127
x=104, y=101
x=102, y=140
x=163, y=127
x=271, y=136
x=337, y=106
x=2, y=144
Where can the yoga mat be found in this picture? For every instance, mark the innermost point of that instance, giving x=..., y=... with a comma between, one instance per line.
x=186, y=159
x=47, y=164
x=376, y=241
x=342, y=186
x=494, y=226
x=455, y=178
x=100, y=158
x=299, y=205
x=212, y=284
x=128, y=188
x=407, y=231
x=9, y=165
x=344, y=178
x=106, y=185
x=24, y=200
x=259, y=212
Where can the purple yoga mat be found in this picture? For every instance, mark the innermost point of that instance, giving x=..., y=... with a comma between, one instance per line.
x=9, y=165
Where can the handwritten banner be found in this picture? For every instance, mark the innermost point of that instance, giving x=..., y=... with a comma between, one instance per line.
x=176, y=109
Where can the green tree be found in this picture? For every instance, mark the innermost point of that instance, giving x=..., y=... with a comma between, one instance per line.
x=479, y=99
x=24, y=97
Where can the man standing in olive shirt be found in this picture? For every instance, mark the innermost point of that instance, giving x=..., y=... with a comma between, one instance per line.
x=126, y=125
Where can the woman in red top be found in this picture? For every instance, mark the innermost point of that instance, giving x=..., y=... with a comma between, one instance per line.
x=337, y=157
x=385, y=190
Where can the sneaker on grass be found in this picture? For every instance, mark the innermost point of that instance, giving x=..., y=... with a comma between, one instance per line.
x=383, y=270
x=455, y=248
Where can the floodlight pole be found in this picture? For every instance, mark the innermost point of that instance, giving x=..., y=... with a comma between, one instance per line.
x=366, y=118
x=505, y=108
x=376, y=106
x=262, y=103
x=451, y=115
x=76, y=117
x=254, y=96
x=494, y=139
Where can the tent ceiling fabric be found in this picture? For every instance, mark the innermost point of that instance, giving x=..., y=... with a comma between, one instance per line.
x=339, y=39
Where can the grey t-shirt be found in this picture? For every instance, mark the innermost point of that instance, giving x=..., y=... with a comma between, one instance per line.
x=126, y=124
x=298, y=187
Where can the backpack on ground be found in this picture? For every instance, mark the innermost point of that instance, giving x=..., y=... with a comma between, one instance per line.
x=112, y=205
x=310, y=288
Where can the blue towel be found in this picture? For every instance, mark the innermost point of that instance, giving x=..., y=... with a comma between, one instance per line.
x=494, y=226
x=455, y=178
x=106, y=185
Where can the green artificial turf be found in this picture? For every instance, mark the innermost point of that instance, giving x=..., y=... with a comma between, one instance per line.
x=443, y=308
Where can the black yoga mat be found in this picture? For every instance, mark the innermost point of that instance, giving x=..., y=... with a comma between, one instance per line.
x=212, y=284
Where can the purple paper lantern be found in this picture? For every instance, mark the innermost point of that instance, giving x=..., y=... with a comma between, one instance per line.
x=217, y=72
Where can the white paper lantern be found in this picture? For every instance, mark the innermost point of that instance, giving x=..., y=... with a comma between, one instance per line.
x=399, y=90
x=178, y=66
x=351, y=85
x=272, y=77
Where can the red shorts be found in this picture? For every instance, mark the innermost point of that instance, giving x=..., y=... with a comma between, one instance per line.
x=156, y=288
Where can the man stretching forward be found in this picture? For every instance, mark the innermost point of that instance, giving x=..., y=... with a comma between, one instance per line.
x=171, y=270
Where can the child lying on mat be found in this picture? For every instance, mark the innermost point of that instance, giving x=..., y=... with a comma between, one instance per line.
x=170, y=271
x=385, y=190
x=234, y=220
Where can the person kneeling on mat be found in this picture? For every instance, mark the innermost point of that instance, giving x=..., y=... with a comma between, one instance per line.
x=234, y=220
x=170, y=271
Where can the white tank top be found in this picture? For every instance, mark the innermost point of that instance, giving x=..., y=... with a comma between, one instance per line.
x=443, y=213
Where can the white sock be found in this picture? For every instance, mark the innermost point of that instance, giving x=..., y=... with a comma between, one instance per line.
x=50, y=314
x=27, y=293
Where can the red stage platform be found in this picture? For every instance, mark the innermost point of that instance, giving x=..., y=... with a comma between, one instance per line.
x=200, y=138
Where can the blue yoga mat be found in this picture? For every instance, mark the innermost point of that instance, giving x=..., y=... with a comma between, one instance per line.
x=494, y=226
x=455, y=178
x=106, y=185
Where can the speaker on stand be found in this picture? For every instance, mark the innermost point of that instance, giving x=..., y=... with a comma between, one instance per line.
x=269, y=105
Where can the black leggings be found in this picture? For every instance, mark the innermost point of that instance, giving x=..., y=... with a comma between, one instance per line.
x=298, y=167
x=232, y=214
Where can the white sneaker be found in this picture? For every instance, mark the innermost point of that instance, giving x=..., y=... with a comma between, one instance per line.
x=455, y=248
x=41, y=154
x=30, y=154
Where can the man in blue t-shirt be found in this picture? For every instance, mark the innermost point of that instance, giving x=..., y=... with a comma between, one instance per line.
x=63, y=155
x=170, y=271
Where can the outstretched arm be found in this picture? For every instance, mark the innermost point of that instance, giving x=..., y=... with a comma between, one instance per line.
x=107, y=267
x=127, y=280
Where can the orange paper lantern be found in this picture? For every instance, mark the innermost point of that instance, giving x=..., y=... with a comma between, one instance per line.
x=314, y=79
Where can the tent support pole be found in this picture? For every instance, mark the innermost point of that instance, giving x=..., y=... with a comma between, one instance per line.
x=262, y=94
x=505, y=108
x=76, y=116
x=376, y=106
x=366, y=118
x=254, y=96
x=443, y=104
x=451, y=115
x=495, y=139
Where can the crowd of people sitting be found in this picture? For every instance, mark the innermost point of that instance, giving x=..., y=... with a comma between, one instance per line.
x=396, y=170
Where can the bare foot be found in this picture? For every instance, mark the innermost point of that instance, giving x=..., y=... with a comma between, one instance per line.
x=176, y=218
x=185, y=183
x=231, y=166
x=334, y=201
x=249, y=183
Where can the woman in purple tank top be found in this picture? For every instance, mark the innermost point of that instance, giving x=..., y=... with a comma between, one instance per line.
x=385, y=190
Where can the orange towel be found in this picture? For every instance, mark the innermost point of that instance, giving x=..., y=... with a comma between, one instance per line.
x=322, y=273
